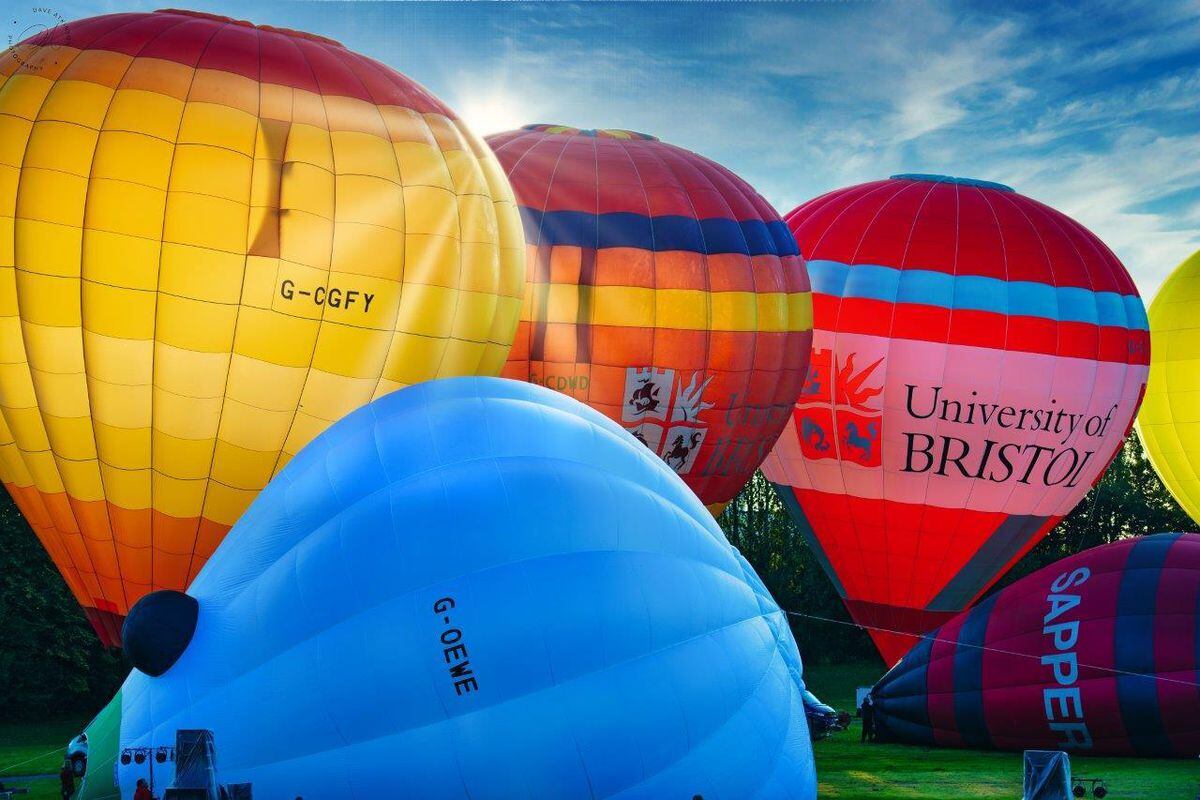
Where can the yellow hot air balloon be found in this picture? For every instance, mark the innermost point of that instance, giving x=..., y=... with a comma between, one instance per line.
x=1169, y=422
x=215, y=240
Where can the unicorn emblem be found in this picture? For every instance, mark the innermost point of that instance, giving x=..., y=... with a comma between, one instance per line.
x=680, y=451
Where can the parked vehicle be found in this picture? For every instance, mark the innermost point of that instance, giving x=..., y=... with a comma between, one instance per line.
x=77, y=753
x=823, y=719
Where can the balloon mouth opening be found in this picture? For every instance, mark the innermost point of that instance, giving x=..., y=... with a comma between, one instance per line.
x=595, y=133
x=976, y=182
x=158, y=630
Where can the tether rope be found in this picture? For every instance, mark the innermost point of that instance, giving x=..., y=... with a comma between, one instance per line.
x=1001, y=650
x=35, y=758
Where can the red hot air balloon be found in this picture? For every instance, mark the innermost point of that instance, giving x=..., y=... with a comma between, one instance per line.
x=1097, y=653
x=662, y=291
x=977, y=361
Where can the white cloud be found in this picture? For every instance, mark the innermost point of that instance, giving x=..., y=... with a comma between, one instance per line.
x=927, y=88
x=1105, y=189
x=919, y=66
x=936, y=90
x=826, y=96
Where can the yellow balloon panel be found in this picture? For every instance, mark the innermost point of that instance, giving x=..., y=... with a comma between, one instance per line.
x=1169, y=422
x=215, y=240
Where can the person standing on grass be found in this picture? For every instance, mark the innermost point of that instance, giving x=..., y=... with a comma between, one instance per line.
x=868, y=719
x=66, y=779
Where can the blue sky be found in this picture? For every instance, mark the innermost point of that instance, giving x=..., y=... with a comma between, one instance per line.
x=1091, y=107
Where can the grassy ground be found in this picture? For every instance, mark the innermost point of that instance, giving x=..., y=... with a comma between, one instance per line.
x=847, y=770
x=850, y=770
x=35, y=748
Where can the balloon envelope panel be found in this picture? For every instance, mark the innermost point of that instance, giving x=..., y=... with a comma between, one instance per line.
x=1167, y=423
x=978, y=358
x=220, y=239
x=663, y=291
x=1097, y=653
x=481, y=588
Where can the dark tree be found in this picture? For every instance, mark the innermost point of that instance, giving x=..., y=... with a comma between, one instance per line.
x=1129, y=500
x=757, y=523
x=51, y=664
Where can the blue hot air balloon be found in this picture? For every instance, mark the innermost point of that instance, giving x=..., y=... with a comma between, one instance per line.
x=469, y=588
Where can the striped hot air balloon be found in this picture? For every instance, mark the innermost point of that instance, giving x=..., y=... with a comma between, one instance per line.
x=1097, y=653
x=978, y=358
x=663, y=291
x=215, y=240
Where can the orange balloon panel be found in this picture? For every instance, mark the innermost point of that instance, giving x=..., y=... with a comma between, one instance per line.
x=215, y=240
x=663, y=291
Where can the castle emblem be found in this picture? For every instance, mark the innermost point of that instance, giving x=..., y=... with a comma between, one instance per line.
x=663, y=413
x=836, y=411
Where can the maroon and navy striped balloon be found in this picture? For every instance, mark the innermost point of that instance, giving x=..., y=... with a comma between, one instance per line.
x=1097, y=653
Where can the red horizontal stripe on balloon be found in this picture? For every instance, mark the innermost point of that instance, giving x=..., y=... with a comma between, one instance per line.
x=981, y=329
x=718, y=352
x=738, y=363
x=289, y=58
x=985, y=329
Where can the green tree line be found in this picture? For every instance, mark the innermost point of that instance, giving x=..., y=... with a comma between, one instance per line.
x=53, y=667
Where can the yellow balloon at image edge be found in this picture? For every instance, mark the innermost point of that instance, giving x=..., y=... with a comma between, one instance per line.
x=201, y=270
x=1169, y=422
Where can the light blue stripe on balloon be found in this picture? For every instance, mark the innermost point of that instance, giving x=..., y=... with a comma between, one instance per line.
x=978, y=293
x=987, y=294
x=922, y=286
x=1135, y=310
x=1080, y=305
x=828, y=277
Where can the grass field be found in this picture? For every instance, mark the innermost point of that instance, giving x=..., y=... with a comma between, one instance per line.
x=35, y=748
x=847, y=770
x=850, y=770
